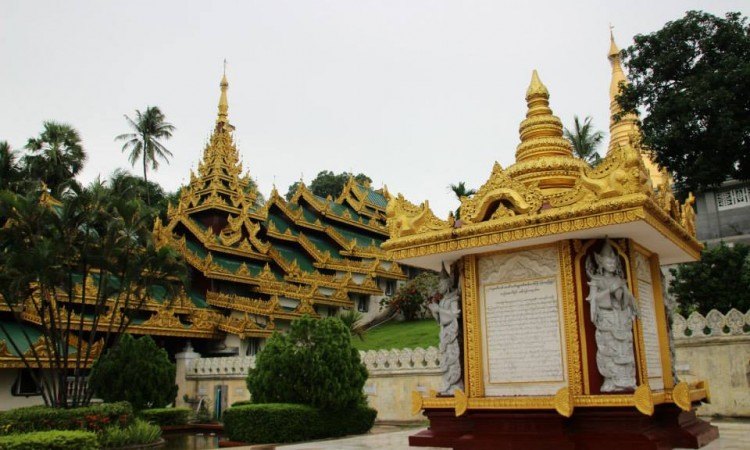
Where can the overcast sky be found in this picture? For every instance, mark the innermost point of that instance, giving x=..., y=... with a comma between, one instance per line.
x=417, y=94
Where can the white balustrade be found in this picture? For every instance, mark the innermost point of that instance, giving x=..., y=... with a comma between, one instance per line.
x=733, y=323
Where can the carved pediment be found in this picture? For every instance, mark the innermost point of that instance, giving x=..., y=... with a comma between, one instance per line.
x=500, y=197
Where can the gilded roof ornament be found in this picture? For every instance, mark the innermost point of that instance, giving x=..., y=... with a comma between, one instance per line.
x=544, y=155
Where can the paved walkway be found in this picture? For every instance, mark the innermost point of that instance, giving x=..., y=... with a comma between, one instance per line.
x=733, y=436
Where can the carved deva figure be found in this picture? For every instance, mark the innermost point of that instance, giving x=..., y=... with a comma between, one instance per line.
x=447, y=311
x=613, y=309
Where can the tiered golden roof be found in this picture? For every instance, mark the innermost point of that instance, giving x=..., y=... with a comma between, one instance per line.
x=278, y=259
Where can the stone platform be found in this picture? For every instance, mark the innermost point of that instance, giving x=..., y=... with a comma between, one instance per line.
x=733, y=436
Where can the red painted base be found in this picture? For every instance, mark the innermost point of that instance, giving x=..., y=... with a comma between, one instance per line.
x=587, y=429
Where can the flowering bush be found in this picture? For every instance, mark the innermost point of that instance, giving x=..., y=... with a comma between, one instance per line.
x=411, y=299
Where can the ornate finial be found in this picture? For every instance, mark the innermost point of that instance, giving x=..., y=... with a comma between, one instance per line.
x=541, y=132
x=223, y=103
x=536, y=87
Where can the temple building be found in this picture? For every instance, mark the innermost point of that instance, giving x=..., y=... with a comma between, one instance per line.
x=258, y=265
x=253, y=265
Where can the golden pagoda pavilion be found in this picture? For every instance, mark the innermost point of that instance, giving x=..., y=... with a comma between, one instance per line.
x=556, y=297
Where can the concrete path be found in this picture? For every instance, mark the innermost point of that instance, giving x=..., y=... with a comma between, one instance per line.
x=733, y=436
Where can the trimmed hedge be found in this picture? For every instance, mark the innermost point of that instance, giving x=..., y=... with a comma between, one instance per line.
x=50, y=440
x=285, y=422
x=43, y=418
x=166, y=416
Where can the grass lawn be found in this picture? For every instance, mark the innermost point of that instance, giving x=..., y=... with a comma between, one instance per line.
x=393, y=334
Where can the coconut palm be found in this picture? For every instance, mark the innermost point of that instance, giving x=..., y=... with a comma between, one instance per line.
x=144, y=144
x=461, y=191
x=56, y=156
x=585, y=140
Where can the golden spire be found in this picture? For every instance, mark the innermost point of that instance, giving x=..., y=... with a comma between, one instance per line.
x=541, y=132
x=622, y=131
x=223, y=103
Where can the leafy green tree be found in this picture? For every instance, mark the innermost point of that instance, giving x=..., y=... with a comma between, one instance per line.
x=313, y=364
x=50, y=255
x=412, y=297
x=144, y=144
x=585, y=140
x=690, y=79
x=719, y=280
x=55, y=157
x=328, y=183
x=137, y=371
x=460, y=190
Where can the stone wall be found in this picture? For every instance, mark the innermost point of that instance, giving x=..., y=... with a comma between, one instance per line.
x=715, y=348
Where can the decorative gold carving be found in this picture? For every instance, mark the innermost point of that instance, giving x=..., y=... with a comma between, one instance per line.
x=461, y=402
x=416, y=402
x=500, y=197
x=405, y=218
x=474, y=383
x=4, y=352
x=688, y=215
x=681, y=396
x=564, y=402
x=572, y=344
x=643, y=400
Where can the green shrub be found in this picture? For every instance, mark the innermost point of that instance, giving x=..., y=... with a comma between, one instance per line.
x=313, y=364
x=166, y=416
x=284, y=422
x=41, y=418
x=50, y=440
x=242, y=403
x=137, y=433
x=112, y=376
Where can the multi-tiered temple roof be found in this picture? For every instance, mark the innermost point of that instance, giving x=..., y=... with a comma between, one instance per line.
x=257, y=263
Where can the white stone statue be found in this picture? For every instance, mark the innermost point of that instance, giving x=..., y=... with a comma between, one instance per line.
x=613, y=309
x=447, y=311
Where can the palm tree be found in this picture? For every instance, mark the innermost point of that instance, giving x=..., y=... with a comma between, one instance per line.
x=461, y=190
x=144, y=144
x=56, y=156
x=8, y=166
x=585, y=140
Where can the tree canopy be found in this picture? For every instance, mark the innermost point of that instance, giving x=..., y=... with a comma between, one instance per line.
x=55, y=156
x=328, y=183
x=313, y=364
x=137, y=371
x=690, y=80
x=719, y=280
x=52, y=252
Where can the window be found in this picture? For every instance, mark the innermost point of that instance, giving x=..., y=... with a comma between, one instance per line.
x=24, y=385
x=733, y=198
x=363, y=303
x=390, y=287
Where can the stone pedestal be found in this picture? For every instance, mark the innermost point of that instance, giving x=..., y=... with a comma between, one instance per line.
x=586, y=429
